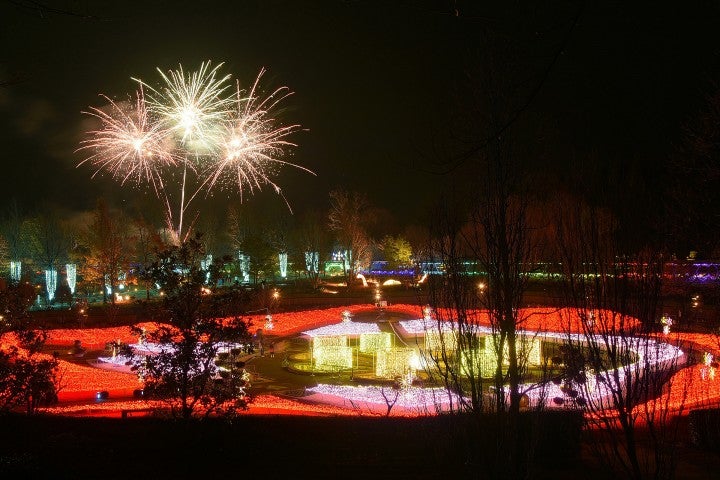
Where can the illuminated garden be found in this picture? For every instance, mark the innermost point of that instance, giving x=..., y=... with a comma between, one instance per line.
x=355, y=362
x=351, y=239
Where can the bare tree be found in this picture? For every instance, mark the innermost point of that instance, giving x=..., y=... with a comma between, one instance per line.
x=617, y=370
x=693, y=196
x=312, y=245
x=486, y=368
x=349, y=219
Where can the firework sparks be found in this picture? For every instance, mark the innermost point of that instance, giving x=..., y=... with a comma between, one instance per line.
x=192, y=104
x=253, y=143
x=128, y=144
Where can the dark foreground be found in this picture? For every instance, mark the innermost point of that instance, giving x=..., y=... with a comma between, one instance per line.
x=272, y=447
x=255, y=446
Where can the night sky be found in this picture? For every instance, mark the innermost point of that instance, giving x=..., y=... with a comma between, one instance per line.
x=378, y=85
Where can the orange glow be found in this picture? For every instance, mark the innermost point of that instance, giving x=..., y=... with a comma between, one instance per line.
x=691, y=387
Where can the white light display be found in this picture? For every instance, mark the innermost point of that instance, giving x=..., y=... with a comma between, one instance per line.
x=413, y=398
x=205, y=264
x=71, y=274
x=344, y=256
x=108, y=287
x=312, y=262
x=394, y=362
x=344, y=328
x=283, y=258
x=373, y=342
x=51, y=283
x=269, y=325
x=15, y=270
x=244, y=266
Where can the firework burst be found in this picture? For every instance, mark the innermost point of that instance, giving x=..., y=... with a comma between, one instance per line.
x=192, y=104
x=191, y=121
x=128, y=144
x=253, y=143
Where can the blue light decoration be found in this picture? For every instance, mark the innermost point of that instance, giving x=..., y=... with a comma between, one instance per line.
x=380, y=267
x=283, y=258
x=51, y=283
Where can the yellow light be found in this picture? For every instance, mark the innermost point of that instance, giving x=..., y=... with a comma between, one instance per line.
x=478, y=362
x=394, y=362
x=332, y=357
x=373, y=342
x=436, y=341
